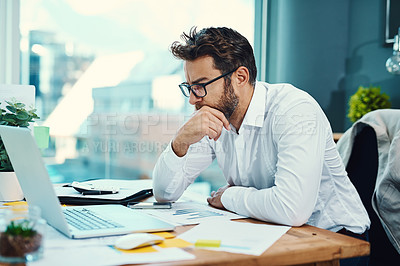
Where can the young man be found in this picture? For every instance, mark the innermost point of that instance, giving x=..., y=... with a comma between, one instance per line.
x=273, y=142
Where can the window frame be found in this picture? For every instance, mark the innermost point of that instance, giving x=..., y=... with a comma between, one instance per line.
x=9, y=42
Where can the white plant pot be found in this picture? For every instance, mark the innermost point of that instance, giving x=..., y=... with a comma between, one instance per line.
x=10, y=190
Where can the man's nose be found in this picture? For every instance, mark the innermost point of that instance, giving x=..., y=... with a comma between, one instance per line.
x=193, y=99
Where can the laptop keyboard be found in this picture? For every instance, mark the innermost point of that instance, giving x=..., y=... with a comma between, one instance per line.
x=84, y=219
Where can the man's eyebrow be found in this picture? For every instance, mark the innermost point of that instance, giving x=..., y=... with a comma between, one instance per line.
x=199, y=80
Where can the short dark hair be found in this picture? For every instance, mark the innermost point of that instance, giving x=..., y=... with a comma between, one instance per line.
x=227, y=47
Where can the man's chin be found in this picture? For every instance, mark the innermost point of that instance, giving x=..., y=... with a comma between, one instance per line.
x=226, y=114
x=198, y=107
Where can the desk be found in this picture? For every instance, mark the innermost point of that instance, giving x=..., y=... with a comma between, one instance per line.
x=305, y=245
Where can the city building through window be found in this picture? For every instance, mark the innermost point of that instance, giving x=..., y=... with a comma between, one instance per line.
x=106, y=83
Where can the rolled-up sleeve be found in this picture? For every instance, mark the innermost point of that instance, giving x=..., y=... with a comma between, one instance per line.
x=173, y=174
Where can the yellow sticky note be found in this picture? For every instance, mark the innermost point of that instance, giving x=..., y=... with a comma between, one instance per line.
x=207, y=243
x=15, y=203
x=174, y=243
x=147, y=249
x=165, y=235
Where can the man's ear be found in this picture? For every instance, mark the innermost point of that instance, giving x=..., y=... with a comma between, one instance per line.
x=242, y=76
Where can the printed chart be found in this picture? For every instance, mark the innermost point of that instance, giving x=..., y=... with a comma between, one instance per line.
x=183, y=213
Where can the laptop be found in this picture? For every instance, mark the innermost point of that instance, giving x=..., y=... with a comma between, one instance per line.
x=73, y=221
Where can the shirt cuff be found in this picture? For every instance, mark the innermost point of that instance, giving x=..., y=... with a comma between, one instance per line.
x=173, y=161
x=227, y=198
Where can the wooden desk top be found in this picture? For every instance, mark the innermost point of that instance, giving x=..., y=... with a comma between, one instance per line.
x=305, y=245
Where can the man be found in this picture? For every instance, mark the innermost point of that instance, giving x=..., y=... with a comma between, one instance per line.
x=273, y=142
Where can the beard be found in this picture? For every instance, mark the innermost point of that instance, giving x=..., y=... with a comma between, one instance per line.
x=227, y=103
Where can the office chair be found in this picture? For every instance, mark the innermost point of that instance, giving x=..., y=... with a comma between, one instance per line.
x=362, y=169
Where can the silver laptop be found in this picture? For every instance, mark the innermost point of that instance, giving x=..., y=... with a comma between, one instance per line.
x=74, y=222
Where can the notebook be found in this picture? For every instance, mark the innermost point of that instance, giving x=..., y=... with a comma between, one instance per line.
x=112, y=219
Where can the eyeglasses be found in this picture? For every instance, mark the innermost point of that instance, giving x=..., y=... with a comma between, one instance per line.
x=199, y=89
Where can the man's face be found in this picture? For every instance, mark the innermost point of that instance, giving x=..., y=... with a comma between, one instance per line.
x=220, y=95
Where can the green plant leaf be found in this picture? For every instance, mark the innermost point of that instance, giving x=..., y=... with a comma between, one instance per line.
x=9, y=119
x=366, y=100
x=22, y=116
x=23, y=228
x=19, y=105
x=12, y=109
x=17, y=116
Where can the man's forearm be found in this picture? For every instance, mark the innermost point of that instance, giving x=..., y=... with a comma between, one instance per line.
x=179, y=148
x=173, y=174
x=167, y=169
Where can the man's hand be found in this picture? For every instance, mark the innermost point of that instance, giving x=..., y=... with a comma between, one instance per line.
x=206, y=122
x=215, y=199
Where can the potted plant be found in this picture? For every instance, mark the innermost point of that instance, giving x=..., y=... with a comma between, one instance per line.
x=15, y=114
x=366, y=100
x=19, y=239
x=22, y=236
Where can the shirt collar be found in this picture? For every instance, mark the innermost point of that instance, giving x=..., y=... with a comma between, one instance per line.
x=256, y=111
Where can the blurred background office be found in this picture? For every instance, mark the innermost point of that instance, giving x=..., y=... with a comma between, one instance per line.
x=106, y=83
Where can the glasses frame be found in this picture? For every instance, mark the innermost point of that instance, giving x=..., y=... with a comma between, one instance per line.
x=185, y=85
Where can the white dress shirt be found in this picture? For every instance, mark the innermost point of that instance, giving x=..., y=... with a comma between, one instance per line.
x=282, y=164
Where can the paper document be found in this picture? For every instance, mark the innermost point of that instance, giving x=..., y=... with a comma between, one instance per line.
x=126, y=188
x=236, y=237
x=184, y=213
x=104, y=255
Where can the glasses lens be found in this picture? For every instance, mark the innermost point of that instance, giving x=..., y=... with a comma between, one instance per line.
x=198, y=90
x=185, y=89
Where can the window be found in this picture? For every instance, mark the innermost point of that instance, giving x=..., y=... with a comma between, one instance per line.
x=107, y=85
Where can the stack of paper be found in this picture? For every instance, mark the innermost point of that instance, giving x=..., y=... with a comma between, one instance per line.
x=236, y=237
x=185, y=213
